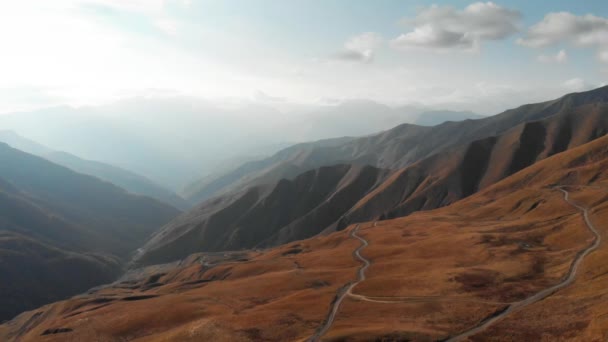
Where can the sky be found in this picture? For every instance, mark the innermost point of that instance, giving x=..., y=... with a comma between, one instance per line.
x=459, y=55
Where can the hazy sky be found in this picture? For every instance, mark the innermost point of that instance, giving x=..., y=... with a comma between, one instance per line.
x=482, y=56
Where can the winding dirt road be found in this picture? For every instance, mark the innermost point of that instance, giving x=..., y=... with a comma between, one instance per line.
x=546, y=292
x=512, y=306
x=344, y=292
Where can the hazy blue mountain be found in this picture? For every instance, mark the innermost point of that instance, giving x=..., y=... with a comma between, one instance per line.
x=62, y=232
x=175, y=141
x=127, y=180
x=433, y=118
x=391, y=149
x=165, y=140
x=265, y=205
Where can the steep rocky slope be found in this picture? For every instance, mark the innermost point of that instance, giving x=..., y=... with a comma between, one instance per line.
x=392, y=149
x=433, y=275
x=124, y=220
x=264, y=215
x=431, y=183
x=459, y=172
x=35, y=273
x=262, y=171
x=62, y=232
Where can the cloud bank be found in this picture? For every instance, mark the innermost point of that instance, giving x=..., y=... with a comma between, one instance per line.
x=359, y=48
x=588, y=31
x=560, y=57
x=444, y=27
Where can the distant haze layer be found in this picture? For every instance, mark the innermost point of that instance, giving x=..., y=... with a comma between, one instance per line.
x=174, y=141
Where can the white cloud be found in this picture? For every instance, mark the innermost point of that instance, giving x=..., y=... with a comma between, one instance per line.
x=566, y=28
x=263, y=97
x=64, y=53
x=167, y=26
x=354, y=56
x=359, y=48
x=587, y=30
x=21, y=98
x=577, y=84
x=88, y=61
x=429, y=36
x=560, y=57
x=147, y=6
x=444, y=27
x=602, y=55
x=363, y=42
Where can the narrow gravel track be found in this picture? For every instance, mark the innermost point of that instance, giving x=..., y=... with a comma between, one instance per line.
x=512, y=306
x=344, y=292
x=570, y=277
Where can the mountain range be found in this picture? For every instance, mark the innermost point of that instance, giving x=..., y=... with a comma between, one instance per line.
x=127, y=180
x=63, y=232
x=392, y=149
x=169, y=140
x=480, y=227
x=323, y=199
x=498, y=256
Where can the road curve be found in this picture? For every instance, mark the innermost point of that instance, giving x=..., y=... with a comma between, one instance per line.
x=571, y=275
x=342, y=294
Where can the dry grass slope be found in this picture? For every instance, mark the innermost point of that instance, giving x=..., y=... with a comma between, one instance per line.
x=500, y=245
